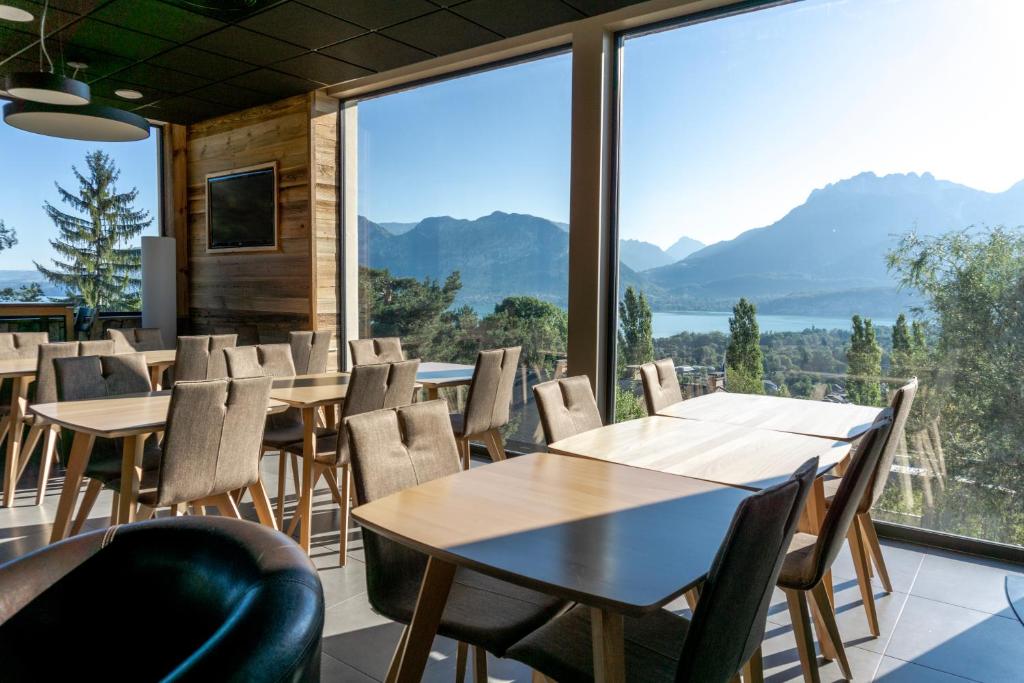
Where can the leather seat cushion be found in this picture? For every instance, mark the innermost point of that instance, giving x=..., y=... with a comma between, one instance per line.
x=105, y=461
x=278, y=437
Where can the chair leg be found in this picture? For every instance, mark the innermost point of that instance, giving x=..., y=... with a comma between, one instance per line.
x=346, y=498
x=92, y=491
x=753, y=670
x=396, y=659
x=331, y=477
x=479, y=664
x=868, y=527
x=463, y=443
x=828, y=615
x=31, y=441
x=262, y=505
x=177, y=509
x=461, y=655
x=295, y=474
x=801, y=619
x=45, y=461
x=225, y=504
x=115, y=502
x=861, y=563
x=495, y=447
x=145, y=512
x=282, y=466
x=198, y=509
x=692, y=596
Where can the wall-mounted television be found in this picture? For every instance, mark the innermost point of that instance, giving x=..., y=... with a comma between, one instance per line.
x=241, y=209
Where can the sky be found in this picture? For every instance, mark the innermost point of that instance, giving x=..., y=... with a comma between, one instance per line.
x=726, y=125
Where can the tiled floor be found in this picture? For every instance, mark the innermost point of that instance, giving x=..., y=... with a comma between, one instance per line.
x=948, y=620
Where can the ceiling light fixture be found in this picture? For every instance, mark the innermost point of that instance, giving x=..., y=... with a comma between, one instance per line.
x=47, y=87
x=8, y=13
x=89, y=122
x=127, y=94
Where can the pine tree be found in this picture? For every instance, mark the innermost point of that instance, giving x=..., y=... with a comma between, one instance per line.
x=864, y=361
x=744, y=365
x=8, y=237
x=902, y=353
x=636, y=339
x=94, y=262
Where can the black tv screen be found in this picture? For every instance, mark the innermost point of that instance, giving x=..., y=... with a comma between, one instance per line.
x=242, y=209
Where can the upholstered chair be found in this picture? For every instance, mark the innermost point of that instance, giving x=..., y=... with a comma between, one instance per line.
x=202, y=357
x=395, y=449
x=487, y=404
x=377, y=350
x=131, y=339
x=661, y=385
x=17, y=346
x=567, y=407
x=309, y=351
x=225, y=601
x=272, y=360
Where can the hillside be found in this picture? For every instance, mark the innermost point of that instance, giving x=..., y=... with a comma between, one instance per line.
x=683, y=247
x=640, y=255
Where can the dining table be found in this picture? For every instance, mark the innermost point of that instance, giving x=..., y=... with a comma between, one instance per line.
x=435, y=376
x=624, y=541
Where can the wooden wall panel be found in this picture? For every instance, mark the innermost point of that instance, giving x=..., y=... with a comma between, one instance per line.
x=326, y=302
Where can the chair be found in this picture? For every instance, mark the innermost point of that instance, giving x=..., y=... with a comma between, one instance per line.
x=661, y=385
x=133, y=339
x=226, y=600
x=16, y=346
x=810, y=556
x=85, y=318
x=377, y=350
x=202, y=357
x=487, y=405
x=399, y=448
x=728, y=624
x=370, y=387
x=309, y=351
x=567, y=407
x=273, y=360
x=864, y=545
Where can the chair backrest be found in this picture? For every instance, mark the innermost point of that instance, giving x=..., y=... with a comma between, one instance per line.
x=309, y=351
x=377, y=350
x=46, y=378
x=96, y=347
x=661, y=384
x=14, y=345
x=212, y=439
x=901, y=404
x=567, y=407
x=80, y=378
x=729, y=621
x=202, y=357
x=124, y=341
x=129, y=339
x=272, y=360
x=490, y=393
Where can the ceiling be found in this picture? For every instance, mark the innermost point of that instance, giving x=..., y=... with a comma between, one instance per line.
x=195, y=59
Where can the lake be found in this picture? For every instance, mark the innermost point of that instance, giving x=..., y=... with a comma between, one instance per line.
x=667, y=324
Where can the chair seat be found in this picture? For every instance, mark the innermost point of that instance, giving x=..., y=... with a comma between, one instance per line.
x=105, y=461
x=281, y=437
x=562, y=649
x=326, y=448
x=798, y=568
x=831, y=483
x=458, y=423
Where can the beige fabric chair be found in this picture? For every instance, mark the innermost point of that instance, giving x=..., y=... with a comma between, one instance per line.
x=396, y=449
x=661, y=385
x=487, y=405
x=310, y=351
x=567, y=407
x=131, y=339
x=371, y=387
x=377, y=350
x=270, y=360
x=202, y=357
x=810, y=557
x=17, y=346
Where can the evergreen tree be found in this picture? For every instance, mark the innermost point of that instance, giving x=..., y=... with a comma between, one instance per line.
x=636, y=340
x=744, y=364
x=864, y=360
x=94, y=262
x=902, y=352
x=8, y=238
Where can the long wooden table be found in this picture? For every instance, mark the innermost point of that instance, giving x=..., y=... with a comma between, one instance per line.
x=434, y=376
x=622, y=540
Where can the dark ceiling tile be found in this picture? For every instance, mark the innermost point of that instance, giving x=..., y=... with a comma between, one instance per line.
x=274, y=82
x=592, y=7
x=15, y=65
x=183, y=109
x=224, y=10
x=321, y=68
x=107, y=87
x=98, y=35
x=98, y=63
x=55, y=17
x=514, y=18
x=248, y=46
x=232, y=95
x=376, y=52
x=157, y=18
x=373, y=14
x=302, y=25
x=441, y=33
x=200, y=63
x=75, y=6
x=12, y=40
x=148, y=75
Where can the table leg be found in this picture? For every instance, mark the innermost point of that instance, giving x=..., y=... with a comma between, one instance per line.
x=19, y=389
x=330, y=417
x=155, y=376
x=419, y=637
x=305, y=510
x=432, y=393
x=131, y=477
x=609, y=646
x=81, y=449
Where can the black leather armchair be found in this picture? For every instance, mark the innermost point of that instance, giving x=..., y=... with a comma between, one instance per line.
x=173, y=599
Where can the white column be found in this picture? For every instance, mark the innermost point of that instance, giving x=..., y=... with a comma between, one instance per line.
x=159, y=301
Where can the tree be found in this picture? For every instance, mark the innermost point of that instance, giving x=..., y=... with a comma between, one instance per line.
x=540, y=327
x=94, y=263
x=31, y=292
x=864, y=362
x=8, y=237
x=636, y=340
x=902, y=349
x=744, y=364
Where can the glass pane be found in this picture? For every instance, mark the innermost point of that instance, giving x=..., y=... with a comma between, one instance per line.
x=823, y=199
x=463, y=240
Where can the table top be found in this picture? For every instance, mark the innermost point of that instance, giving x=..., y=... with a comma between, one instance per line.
x=117, y=416
x=844, y=421
x=25, y=367
x=307, y=391
x=433, y=375
x=621, y=538
x=727, y=454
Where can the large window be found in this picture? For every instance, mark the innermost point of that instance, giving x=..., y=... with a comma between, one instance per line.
x=463, y=241
x=823, y=199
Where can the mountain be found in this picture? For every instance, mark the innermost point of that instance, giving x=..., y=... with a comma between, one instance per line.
x=640, y=255
x=683, y=247
x=398, y=228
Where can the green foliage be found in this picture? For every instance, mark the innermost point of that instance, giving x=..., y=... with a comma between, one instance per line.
x=628, y=406
x=31, y=292
x=636, y=340
x=744, y=364
x=8, y=237
x=93, y=263
x=540, y=327
x=864, y=361
x=902, y=351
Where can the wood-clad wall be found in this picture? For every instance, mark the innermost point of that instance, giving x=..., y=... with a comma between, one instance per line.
x=325, y=157
x=263, y=295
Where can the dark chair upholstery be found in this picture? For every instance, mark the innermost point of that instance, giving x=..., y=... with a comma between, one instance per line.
x=661, y=385
x=396, y=449
x=487, y=404
x=309, y=351
x=202, y=357
x=567, y=407
x=728, y=623
x=378, y=350
x=229, y=601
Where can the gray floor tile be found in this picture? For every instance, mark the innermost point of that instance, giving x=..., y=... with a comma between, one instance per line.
x=335, y=671
x=782, y=661
x=892, y=670
x=965, y=581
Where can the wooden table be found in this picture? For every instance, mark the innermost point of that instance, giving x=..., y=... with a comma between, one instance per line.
x=622, y=540
x=843, y=421
x=158, y=361
x=131, y=417
x=434, y=376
